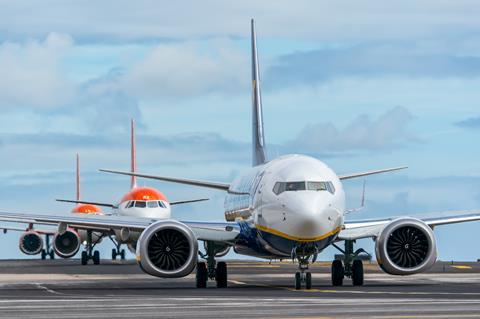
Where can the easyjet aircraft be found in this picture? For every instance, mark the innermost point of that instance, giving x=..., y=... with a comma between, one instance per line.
x=292, y=206
x=64, y=244
x=145, y=202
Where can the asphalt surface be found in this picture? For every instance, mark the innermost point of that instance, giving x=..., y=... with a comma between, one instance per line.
x=65, y=289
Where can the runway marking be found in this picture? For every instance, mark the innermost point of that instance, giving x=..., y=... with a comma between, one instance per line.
x=462, y=267
x=48, y=290
x=384, y=292
x=236, y=282
x=429, y=316
x=254, y=266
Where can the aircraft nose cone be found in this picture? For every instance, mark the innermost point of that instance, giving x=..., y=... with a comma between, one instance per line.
x=313, y=217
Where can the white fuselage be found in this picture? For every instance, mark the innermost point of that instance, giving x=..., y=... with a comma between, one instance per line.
x=294, y=197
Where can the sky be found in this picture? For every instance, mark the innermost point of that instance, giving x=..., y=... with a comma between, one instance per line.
x=358, y=85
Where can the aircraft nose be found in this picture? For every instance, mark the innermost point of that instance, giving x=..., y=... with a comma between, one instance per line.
x=312, y=217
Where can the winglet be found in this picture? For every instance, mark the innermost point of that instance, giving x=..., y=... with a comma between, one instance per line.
x=258, y=139
x=133, y=154
x=77, y=184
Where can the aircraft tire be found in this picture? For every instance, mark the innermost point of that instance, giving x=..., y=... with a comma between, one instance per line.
x=221, y=274
x=201, y=275
x=308, y=280
x=96, y=257
x=338, y=272
x=357, y=273
x=298, y=280
x=84, y=258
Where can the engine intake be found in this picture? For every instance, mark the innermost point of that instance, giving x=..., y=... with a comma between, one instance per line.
x=66, y=245
x=31, y=243
x=167, y=249
x=406, y=246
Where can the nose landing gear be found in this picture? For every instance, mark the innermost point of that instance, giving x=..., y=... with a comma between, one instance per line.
x=304, y=254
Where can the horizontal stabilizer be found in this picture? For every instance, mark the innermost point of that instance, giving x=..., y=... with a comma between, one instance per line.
x=200, y=183
x=85, y=202
x=179, y=202
x=380, y=171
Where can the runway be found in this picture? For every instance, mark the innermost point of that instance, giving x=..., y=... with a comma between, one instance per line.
x=65, y=289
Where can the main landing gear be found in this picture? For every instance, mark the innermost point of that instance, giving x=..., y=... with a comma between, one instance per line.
x=48, y=250
x=212, y=270
x=117, y=251
x=304, y=254
x=89, y=253
x=352, y=267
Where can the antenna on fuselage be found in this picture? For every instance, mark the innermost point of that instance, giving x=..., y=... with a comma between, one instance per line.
x=133, y=154
x=258, y=140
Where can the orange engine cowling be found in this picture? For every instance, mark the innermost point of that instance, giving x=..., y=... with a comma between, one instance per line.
x=66, y=245
x=31, y=243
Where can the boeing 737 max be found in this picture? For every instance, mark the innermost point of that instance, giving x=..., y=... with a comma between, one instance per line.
x=292, y=206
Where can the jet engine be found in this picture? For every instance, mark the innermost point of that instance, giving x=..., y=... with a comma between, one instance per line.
x=167, y=249
x=66, y=245
x=31, y=243
x=406, y=246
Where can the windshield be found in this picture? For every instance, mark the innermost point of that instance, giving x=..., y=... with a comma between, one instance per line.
x=281, y=187
x=140, y=204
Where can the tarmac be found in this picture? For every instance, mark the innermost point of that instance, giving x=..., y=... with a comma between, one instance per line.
x=119, y=289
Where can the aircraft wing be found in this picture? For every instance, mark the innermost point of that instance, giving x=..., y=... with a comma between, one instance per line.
x=220, y=232
x=372, y=228
x=378, y=171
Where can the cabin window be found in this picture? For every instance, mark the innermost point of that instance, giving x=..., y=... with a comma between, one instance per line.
x=152, y=204
x=140, y=204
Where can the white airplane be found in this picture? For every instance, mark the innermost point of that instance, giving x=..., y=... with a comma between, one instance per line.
x=292, y=206
x=145, y=202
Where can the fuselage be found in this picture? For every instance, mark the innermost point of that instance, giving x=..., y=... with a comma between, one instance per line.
x=144, y=202
x=291, y=201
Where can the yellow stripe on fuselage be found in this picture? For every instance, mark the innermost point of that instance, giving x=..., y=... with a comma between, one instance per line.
x=295, y=238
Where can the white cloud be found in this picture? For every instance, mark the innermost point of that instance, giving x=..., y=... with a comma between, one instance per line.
x=324, y=19
x=387, y=131
x=184, y=70
x=31, y=72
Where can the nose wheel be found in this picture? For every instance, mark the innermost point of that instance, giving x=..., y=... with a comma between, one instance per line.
x=305, y=255
x=89, y=253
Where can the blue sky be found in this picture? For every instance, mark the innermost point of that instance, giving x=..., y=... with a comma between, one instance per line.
x=358, y=85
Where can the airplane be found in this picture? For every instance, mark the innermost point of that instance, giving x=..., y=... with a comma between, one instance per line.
x=31, y=242
x=289, y=207
x=145, y=202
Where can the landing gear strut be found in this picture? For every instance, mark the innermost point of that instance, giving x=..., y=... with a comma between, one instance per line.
x=212, y=270
x=47, y=251
x=117, y=251
x=89, y=253
x=353, y=266
x=304, y=254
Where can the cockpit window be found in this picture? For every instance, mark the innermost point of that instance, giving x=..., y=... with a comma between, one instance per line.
x=295, y=186
x=152, y=204
x=161, y=204
x=316, y=186
x=281, y=187
x=140, y=204
x=130, y=204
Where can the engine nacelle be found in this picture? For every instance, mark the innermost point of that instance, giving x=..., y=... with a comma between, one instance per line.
x=31, y=243
x=167, y=249
x=406, y=246
x=66, y=245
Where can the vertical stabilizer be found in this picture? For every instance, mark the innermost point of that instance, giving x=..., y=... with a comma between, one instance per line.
x=133, y=154
x=77, y=183
x=258, y=140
